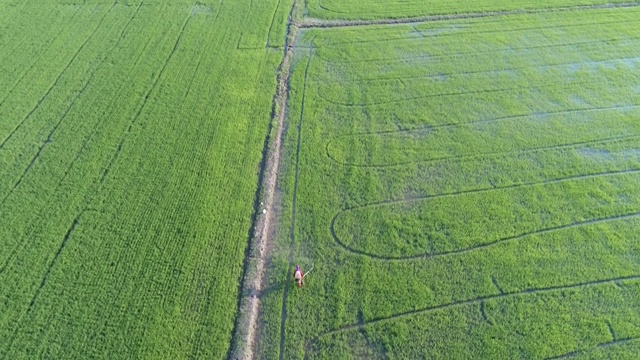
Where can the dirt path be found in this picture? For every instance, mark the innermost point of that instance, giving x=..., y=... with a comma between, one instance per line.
x=245, y=338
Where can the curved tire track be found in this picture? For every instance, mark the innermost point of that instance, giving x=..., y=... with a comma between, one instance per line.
x=347, y=248
x=495, y=153
x=474, y=301
x=479, y=300
x=598, y=346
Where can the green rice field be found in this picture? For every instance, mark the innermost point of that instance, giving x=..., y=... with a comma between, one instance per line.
x=460, y=180
x=461, y=189
x=131, y=136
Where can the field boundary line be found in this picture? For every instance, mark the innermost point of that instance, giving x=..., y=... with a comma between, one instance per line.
x=260, y=240
x=322, y=23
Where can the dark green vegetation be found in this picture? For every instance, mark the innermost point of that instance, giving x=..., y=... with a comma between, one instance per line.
x=464, y=189
x=394, y=9
x=131, y=134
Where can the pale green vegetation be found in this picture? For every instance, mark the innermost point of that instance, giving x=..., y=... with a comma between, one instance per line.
x=464, y=189
x=131, y=134
x=395, y=9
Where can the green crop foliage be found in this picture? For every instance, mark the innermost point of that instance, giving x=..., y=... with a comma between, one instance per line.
x=462, y=189
x=395, y=9
x=131, y=134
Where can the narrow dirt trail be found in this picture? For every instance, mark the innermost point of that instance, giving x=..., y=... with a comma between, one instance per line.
x=254, y=279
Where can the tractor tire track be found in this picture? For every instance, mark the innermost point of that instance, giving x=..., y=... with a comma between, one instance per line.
x=294, y=209
x=273, y=19
x=438, y=76
x=191, y=81
x=318, y=23
x=107, y=168
x=557, y=84
x=485, y=245
x=55, y=258
x=495, y=153
x=479, y=32
x=53, y=131
x=476, y=52
x=57, y=80
x=45, y=277
x=155, y=83
x=479, y=300
x=17, y=13
x=347, y=248
x=598, y=346
x=155, y=27
x=47, y=141
x=480, y=122
x=66, y=173
x=79, y=153
x=475, y=301
x=38, y=57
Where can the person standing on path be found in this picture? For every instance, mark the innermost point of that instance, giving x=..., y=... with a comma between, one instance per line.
x=297, y=275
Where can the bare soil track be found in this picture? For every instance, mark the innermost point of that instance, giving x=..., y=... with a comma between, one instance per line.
x=253, y=282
